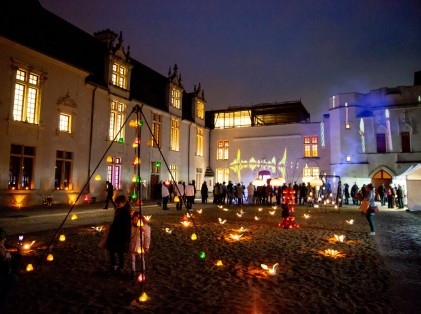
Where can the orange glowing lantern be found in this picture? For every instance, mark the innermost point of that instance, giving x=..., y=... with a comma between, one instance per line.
x=144, y=297
x=194, y=236
x=109, y=159
x=73, y=217
x=219, y=263
x=62, y=238
x=29, y=267
x=50, y=257
x=176, y=199
x=149, y=143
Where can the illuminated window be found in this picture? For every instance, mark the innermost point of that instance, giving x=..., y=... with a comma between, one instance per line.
x=117, y=117
x=21, y=167
x=174, y=172
x=237, y=119
x=222, y=150
x=175, y=98
x=199, y=176
x=156, y=129
x=199, y=142
x=311, y=146
x=63, y=171
x=311, y=172
x=26, y=98
x=200, y=110
x=222, y=174
x=65, y=123
x=114, y=172
x=119, y=76
x=175, y=135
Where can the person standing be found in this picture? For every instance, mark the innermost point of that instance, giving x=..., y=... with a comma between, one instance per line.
x=179, y=191
x=381, y=191
x=165, y=194
x=369, y=196
x=110, y=193
x=189, y=195
x=119, y=234
x=204, y=192
x=250, y=193
x=346, y=193
x=399, y=196
x=138, y=229
x=354, y=191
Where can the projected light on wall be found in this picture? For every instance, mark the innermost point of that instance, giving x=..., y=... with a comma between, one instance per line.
x=237, y=165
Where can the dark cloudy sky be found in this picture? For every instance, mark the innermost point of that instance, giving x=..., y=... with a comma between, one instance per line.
x=246, y=52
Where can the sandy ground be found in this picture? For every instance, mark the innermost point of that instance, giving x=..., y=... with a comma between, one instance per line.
x=359, y=279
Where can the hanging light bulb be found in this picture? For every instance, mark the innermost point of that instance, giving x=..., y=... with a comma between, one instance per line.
x=62, y=238
x=97, y=177
x=109, y=159
x=50, y=257
x=132, y=123
x=134, y=178
x=194, y=236
x=29, y=267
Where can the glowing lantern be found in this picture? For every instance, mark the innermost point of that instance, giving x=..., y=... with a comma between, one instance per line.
x=144, y=297
x=271, y=271
x=240, y=214
x=222, y=221
x=29, y=267
x=27, y=246
x=350, y=222
x=109, y=159
x=242, y=229
x=339, y=238
x=132, y=123
x=225, y=209
x=149, y=143
x=316, y=182
x=50, y=257
x=258, y=182
x=236, y=237
x=185, y=223
x=147, y=217
x=121, y=140
x=73, y=217
x=199, y=210
x=256, y=218
x=158, y=164
x=135, y=145
x=259, y=209
x=141, y=277
x=277, y=181
x=219, y=263
x=97, y=229
x=140, y=250
x=62, y=238
x=97, y=177
x=306, y=216
x=202, y=255
x=168, y=230
x=194, y=236
x=272, y=212
x=176, y=199
x=134, y=195
x=134, y=178
x=136, y=161
x=332, y=253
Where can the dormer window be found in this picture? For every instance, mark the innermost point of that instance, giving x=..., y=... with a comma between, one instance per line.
x=200, y=110
x=119, y=75
x=175, y=98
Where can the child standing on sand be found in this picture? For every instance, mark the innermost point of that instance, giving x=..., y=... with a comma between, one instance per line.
x=139, y=227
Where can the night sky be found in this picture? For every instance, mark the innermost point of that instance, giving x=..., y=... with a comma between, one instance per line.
x=248, y=52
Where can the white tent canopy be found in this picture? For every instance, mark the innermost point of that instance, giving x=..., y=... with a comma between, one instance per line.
x=412, y=176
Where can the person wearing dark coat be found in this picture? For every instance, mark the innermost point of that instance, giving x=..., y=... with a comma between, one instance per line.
x=119, y=235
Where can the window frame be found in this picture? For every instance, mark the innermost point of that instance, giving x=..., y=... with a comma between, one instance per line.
x=24, y=157
x=117, y=118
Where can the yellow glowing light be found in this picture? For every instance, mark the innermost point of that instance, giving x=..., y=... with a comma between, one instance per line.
x=242, y=229
x=306, y=216
x=50, y=257
x=97, y=177
x=236, y=237
x=109, y=159
x=29, y=267
x=147, y=217
x=256, y=218
x=272, y=212
x=194, y=236
x=98, y=229
x=220, y=206
x=199, y=210
x=62, y=238
x=168, y=230
x=240, y=214
x=271, y=270
x=73, y=217
x=260, y=209
x=339, y=238
x=144, y=297
x=222, y=221
x=350, y=222
x=134, y=178
x=316, y=206
x=275, y=207
x=138, y=224
x=219, y=263
x=176, y=199
x=331, y=252
x=185, y=223
x=140, y=250
x=27, y=246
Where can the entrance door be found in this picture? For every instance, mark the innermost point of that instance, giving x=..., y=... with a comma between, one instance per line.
x=155, y=187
